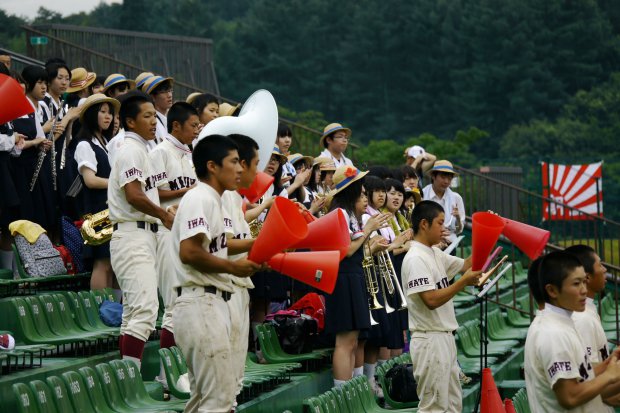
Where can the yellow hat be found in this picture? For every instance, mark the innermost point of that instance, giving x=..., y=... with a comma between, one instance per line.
x=331, y=128
x=296, y=157
x=141, y=78
x=95, y=100
x=115, y=79
x=152, y=82
x=226, y=109
x=344, y=176
x=191, y=97
x=80, y=79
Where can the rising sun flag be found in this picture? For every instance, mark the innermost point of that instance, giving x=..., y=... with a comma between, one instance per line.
x=576, y=186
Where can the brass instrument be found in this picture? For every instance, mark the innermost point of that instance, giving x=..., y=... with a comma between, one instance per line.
x=372, y=285
x=388, y=282
x=385, y=264
x=255, y=227
x=97, y=228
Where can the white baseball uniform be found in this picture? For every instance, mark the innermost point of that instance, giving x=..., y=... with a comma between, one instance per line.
x=161, y=130
x=114, y=145
x=133, y=247
x=200, y=315
x=173, y=162
x=588, y=324
x=433, y=348
x=545, y=364
x=239, y=304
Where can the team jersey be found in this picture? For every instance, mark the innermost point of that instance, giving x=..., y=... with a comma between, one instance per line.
x=172, y=162
x=546, y=363
x=588, y=325
x=232, y=203
x=132, y=163
x=426, y=269
x=161, y=130
x=200, y=212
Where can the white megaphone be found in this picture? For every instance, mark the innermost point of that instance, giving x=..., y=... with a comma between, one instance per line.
x=258, y=119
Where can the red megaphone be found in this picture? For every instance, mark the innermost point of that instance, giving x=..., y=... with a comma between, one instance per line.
x=327, y=233
x=509, y=406
x=490, y=400
x=259, y=186
x=318, y=269
x=283, y=227
x=486, y=229
x=529, y=239
x=13, y=101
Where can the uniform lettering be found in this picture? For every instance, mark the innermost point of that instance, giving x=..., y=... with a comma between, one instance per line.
x=228, y=223
x=584, y=368
x=217, y=244
x=443, y=283
x=242, y=236
x=604, y=353
x=181, y=182
x=196, y=222
x=419, y=282
x=133, y=172
x=557, y=367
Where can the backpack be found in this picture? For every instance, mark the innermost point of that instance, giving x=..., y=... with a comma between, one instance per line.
x=401, y=385
x=313, y=305
x=296, y=332
x=40, y=259
x=72, y=239
x=67, y=259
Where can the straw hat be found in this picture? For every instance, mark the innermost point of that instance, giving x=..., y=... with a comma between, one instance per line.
x=191, y=97
x=115, y=79
x=95, y=100
x=152, y=82
x=415, y=193
x=80, y=79
x=325, y=164
x=296, y=157
x=279, y=155
x=226, y=109
x=344, y=176
x=331, y=128
x=141, y=78
x=442, y=166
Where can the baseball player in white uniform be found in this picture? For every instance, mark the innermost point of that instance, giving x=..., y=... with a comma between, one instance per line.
x=560, y=377
x=239, y=243
x=426, y=274
x=199, y=252
x=134, y=211
x=172, y=159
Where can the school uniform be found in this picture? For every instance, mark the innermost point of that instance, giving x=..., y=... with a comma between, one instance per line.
x=239, y=303
x=9, y=201
x=172, y=162
x=92, y=154
x=133, y=246
x=343, y=161
x=433, y=348
x=201, y=314
x=40, y=204
x=566, y=359
x=346, y=309
x=448, y=201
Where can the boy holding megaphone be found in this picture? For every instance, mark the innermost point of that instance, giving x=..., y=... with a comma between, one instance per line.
x=427, y=272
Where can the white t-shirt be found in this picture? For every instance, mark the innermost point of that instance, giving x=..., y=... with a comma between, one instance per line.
x=115, y=144
x=554, y=351
x=588, y=324
x=132, y=163
x=426, y=269
x=232, y=203
x=85, y=155
x=172, y=161
x=338, y=162
x=7, y=141
x=200, y=212
x=449, y=200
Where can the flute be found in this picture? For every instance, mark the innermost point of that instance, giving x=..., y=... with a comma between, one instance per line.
x=42, y=154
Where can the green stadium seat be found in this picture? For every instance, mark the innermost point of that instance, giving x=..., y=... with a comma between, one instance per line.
x=517, y=319
x=43, y=394
x=60, y=393
x=111, y=389
x=171, y=370
x=26, y=401
x=367, y=398
x=133, y=390
x=499, y=330
x=331, y=402
x=86, y=318
x=78, y=394
x=520, y=402
x=313, y=405
x=272, y=351
x=181, y=363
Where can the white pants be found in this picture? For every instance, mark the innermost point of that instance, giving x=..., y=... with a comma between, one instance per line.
x=132, y=254
x=239, y=307
x=165, y=276
x=436, y=372
x=202, y=332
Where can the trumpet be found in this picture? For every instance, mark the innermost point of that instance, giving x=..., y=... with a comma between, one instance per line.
x=390, y=279
x=372, y=284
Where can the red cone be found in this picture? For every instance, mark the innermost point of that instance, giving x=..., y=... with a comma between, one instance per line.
x=486, y=229
x=490, y=400
x=13, y=101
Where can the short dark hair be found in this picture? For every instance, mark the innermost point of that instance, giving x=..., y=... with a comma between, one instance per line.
x=347, y=198
x=201, y=101
x=165, y=85
x=180, y=112
x=533, y=281
x=90, y=123
x=5, y=70
x=396, y=184
x=55, y=60
x=555, y=267
x=372, y=185
x=585, y=254
x=32, y=74
x=99, y=80
x=284, y=130
x=211, y=148
x=130, y=105
x=381, y=171
x=425, y=211
x=247, y=147
x=52, y=70
x=407, y=171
